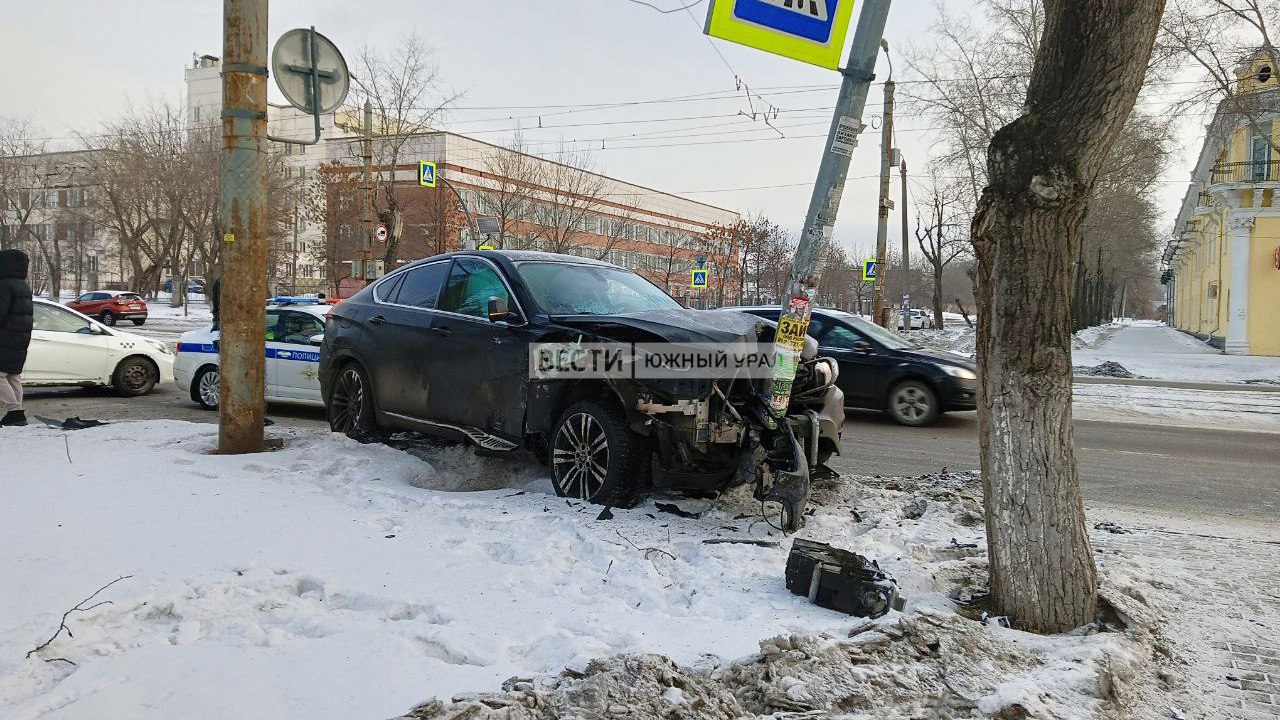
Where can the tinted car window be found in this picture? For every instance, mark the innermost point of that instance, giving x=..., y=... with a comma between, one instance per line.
x=421, y=285
x=85, y=297
x=128, y=297
x=471, y=284
x=840, y=337
x=51, y=319
x=273, y=320
x=386, y=290
x=297, y=327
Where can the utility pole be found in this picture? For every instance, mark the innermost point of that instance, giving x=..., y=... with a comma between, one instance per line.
x=846, y=123
x=882, y=227
x=243, y=217
x=366, y=245
x=906, y=253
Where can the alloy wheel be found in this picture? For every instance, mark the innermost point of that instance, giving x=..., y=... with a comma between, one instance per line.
x=911, y=403
x=207, y=388
x=347, y=401
x=580, y=456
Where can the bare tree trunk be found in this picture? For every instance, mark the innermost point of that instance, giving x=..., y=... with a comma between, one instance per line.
x=937, y=297
x=1091, y=63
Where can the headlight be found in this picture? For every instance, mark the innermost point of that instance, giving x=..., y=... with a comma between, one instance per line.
x=959, y=372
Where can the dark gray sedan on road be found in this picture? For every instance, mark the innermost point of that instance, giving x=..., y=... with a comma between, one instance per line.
x=882, y=370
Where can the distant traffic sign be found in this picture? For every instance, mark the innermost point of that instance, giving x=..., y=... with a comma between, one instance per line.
x=869, y=269
x=486, y=246
x=426, y=174
x=811, y=31
x=381, y=233
x=699, y=279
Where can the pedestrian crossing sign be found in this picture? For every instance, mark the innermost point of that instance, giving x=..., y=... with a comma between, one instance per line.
x=699, y=279
x=426, y=174
x=811, y=31
x=869, y=270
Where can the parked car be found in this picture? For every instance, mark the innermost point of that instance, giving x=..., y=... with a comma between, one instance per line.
x=881, y=370
x=442, y=347
x=293, y=356
x=919, y=319
x=193, y=287
x=111, y=306
x=69, y=348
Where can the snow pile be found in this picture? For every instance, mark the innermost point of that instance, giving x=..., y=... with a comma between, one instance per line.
x=1256, y=411
x=958, y=339
x=1106, y=369
x=329, y=579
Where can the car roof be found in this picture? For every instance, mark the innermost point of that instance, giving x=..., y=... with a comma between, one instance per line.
x=778, y=308
x=317, y=309
x=516, y=256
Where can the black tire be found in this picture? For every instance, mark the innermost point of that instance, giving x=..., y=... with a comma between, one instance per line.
x=204, y=387
x=913, y=403
x=350, y=407
x=135, y=376
x=108, y=318
x=595, y=457
x=138, y=321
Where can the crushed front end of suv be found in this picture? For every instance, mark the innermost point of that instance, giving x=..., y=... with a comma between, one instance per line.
x=472, y=346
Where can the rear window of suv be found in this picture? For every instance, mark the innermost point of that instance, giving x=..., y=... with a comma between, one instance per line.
x=128, y=297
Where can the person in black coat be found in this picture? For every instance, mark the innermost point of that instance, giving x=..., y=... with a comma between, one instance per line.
x=16, y=315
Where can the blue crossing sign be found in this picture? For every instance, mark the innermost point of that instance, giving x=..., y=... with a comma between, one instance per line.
x=426, y=174
x=869, y=269
x=811, y=31
x=699, y=279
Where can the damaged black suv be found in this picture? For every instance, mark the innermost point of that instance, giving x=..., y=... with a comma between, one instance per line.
x=442, y=347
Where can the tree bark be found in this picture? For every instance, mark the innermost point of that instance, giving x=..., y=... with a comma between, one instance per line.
x=1091, y=63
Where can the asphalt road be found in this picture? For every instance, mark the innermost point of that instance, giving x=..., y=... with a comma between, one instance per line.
x=1187, y=472
x=1150, y=467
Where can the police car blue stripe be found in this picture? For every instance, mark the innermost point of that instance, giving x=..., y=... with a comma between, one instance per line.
x=275, y=353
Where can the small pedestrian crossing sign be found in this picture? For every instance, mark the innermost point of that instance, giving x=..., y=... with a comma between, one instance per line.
x=699, y=279
x=869, y=270
x=426, y=174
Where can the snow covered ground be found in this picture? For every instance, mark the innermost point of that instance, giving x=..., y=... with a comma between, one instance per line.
x=1154, y=350
x=333, y=580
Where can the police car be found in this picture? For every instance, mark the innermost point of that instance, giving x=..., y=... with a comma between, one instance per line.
x=293, y=361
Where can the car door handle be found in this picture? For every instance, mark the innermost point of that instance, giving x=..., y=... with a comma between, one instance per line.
x=442, y=331
x=377, y=320
x=38, y=339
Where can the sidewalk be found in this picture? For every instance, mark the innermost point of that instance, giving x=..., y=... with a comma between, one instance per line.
x=1178, y=384
x=1157, y=351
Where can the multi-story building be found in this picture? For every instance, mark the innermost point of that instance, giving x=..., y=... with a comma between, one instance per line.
x=536, y=203
x=47, y=206
x=1222, y=268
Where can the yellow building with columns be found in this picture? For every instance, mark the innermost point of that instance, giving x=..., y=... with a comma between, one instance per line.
x=1222, y=267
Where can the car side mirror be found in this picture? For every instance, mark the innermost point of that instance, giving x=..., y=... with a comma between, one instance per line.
x=862, y=347
x=316, y=340
x=499, y=312
x=96, y=329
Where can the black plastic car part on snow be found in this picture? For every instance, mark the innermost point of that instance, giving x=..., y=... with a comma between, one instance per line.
x=442, y=347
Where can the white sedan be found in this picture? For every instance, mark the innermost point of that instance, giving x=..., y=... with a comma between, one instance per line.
x=68, y=348
x=293, y=361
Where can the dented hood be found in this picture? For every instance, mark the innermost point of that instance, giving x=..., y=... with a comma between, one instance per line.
x=676, y=326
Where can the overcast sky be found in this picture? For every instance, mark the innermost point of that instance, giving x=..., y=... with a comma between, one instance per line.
x=70, y=64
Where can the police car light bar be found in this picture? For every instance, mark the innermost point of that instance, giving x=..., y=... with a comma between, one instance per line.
x=294, y=301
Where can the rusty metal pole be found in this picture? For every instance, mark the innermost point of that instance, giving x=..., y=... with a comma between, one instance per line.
x=243, y=215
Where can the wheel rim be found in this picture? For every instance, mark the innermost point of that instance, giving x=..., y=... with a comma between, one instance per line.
x=208, y=388
x=580, y=456
x=911, y=403
x=108, y=319
x=347, y=402
x=136, y=376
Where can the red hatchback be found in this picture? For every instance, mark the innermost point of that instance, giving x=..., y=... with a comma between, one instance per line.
x=108, y=306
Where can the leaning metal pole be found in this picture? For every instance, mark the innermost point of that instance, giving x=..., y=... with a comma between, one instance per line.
x=825, y=202
x=243, y=215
